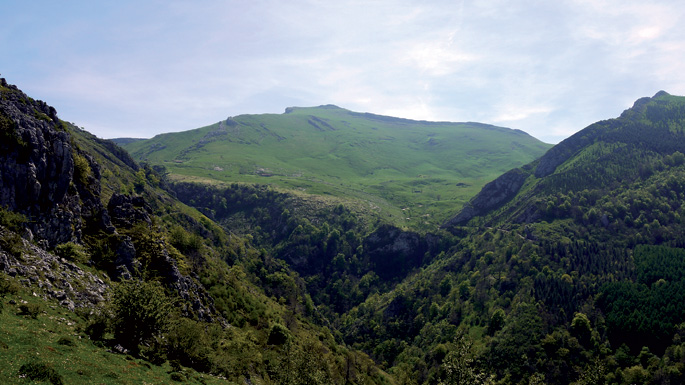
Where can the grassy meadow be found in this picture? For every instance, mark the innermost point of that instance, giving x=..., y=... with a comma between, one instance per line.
x=413, y=173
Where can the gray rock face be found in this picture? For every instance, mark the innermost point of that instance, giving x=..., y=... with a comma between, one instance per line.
x=57, y=187
x=37, y=170
x=125, y=210
x=393, y=252
x=53, y=277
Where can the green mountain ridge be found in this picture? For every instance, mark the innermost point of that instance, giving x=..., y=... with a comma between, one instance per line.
x=565, y=269
x=628, y=148
x=570, y=276
x=425, y=168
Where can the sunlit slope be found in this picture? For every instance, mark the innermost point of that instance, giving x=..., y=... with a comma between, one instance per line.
x=425, y=168
x=593, y=171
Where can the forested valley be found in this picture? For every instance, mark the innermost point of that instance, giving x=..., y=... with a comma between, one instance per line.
x=566, y=270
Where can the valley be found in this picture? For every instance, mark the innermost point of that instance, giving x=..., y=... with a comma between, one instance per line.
x=325, y=246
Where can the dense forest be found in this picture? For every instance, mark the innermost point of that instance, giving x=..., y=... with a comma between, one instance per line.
x=568, y=270
x=548, y=287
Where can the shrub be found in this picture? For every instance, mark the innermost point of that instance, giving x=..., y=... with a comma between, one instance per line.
x=66, y=341
x=97, y=324
x=12, y=244
x=188, y=344
x=38, y=371
x=176, y=376
x=139, y=182
x=30, y=309
x=7, y=285
x=279, y=335
x=81, y=169
x=72, y=252
x=11, y=220
x=140, y=312
x=153, y=350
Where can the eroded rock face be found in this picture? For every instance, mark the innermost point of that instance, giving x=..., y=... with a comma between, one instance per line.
x=50, y=276
x=37, y=170
x=126, y=210
x=57, y=187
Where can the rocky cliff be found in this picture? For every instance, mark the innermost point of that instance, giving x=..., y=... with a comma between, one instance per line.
x=55, y=183
x=39, y=177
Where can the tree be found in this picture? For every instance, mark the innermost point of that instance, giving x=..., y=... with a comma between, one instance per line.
x=140, y=312
x=459, y=366
x=581, y=328
x=496, y=321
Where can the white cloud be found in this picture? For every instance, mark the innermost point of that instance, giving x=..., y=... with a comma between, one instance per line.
x=512, y=113
x=136, y=68
x=438, y=59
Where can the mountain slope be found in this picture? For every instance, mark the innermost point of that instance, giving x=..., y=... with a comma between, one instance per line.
x=105, y=277
x=426, y=168
x=605, y=158
x=568, y=270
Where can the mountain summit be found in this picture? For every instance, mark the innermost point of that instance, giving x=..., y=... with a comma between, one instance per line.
x=425, y=168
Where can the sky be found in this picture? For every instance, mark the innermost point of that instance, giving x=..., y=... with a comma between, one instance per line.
x=139, y=68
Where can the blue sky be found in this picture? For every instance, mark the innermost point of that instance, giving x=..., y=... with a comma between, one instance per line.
x=139, y=68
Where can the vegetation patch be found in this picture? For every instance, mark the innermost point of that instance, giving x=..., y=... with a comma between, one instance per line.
x=72, y=252
x=39, y=371
x=81, y=168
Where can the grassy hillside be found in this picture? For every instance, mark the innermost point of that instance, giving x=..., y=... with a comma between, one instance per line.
x=412, y=172
x=574, y=276
x=141, y=288
x=42, y=341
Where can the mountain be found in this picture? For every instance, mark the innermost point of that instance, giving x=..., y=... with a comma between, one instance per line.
x=566, y=270
x=593, y=169
x=105, y=277
x=410, y=172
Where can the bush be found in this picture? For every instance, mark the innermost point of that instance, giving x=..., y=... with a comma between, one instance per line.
x=12, y=244
x=176, y=376
x=97, y=324
x=279, y=335
x=38, y=371
x=140, y=312
x=7, y=285
x=153, y=350
x=188, y=344
x=81, y=169
x=72, y=252
x=11, y=220
x=30, y=309
x=66, y=341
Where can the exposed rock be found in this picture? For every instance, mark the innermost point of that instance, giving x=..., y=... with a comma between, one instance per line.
x=125, y=210
x=56, y=185
x=126, y=262
x=37, y=170
x=40, y=270
x=394, y=252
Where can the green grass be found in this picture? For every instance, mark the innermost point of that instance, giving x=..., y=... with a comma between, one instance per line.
x=417, y=173
x=53, y=342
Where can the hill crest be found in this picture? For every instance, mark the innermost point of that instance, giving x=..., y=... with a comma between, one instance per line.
x=425, y=168
x=651, y=126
